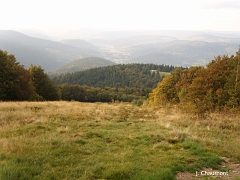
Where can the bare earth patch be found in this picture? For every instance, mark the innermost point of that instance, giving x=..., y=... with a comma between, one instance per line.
x=233, y=174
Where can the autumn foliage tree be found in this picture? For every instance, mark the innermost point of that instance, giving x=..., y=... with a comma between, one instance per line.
x=166, y=90
x=201, y=89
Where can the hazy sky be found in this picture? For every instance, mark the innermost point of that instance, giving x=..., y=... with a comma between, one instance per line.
x=220, y=15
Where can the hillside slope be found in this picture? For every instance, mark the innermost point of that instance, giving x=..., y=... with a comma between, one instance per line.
x=83, y=64
x=72, y=140
x=125, y=75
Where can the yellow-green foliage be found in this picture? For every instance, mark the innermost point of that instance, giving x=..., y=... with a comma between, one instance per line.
x=72, y=140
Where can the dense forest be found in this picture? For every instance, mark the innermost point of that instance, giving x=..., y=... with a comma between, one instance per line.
x=201, y=89
x=122, y=75
x=125, y=82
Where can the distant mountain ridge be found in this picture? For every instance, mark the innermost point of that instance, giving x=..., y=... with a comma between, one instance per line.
x=135, y=40
x=178, y=48
x=79, y=43
x=212, y=38
x=198, y=48
x=181, y=52
x=48, y=54
x=83, y=64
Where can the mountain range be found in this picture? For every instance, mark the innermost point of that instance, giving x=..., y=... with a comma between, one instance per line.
x=181, y=52
x=178, y=48
x=48, y=54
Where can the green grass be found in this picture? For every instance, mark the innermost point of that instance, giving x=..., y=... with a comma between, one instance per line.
x=164, y=74
x=71, y=140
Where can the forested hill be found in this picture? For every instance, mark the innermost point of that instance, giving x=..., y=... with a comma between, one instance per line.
x=124, y=75
x=82, y=64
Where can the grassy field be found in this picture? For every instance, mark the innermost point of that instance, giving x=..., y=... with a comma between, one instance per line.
x=72, y=140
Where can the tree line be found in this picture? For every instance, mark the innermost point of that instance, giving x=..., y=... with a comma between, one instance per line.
x=103, y=94
x=201, y=89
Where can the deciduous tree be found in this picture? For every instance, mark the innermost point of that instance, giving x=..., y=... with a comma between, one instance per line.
x=43, y=85
x=15, y=80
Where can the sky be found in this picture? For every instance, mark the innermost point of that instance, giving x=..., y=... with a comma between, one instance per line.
x=217, y=15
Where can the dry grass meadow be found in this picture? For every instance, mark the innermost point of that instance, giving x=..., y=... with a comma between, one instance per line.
x=73, y=140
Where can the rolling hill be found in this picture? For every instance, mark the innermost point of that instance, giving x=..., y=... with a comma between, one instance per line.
x=48, y=54
x=83, y=64
x=121, y=75
x=180, y=52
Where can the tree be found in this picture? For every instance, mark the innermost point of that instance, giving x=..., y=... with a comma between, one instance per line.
x=166, y=90
x=15, y=81
x=43, y=85
x=200, y=89
x=73, y=92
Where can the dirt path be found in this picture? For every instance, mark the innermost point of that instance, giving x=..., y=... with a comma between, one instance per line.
x=233, y=174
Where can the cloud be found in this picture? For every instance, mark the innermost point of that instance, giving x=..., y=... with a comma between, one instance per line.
x=222, y=4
